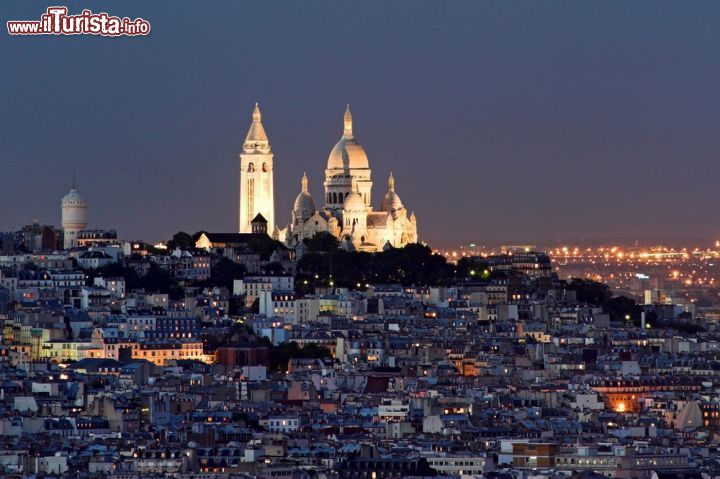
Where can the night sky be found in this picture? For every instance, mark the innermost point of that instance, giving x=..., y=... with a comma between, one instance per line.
x=502, y=121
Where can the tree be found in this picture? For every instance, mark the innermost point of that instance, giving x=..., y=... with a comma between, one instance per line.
x=590, y=292
x=157, y=280
x=620, y=308
x=160, y=281
x=322, y=242
x=114, y=270
x=264, y=246
x=181, y=240
x=224, y=272
x=413, y=264
x=472, y=268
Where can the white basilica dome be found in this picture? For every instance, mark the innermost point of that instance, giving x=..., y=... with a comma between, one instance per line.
x=347, y=153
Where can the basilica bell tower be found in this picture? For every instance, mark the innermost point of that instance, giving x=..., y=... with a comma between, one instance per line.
x=256, y=177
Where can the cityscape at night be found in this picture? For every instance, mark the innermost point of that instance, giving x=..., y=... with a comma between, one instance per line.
x=619, y=266
x=359, y=240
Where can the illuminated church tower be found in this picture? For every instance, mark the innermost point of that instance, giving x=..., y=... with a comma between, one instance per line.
x=256, y=177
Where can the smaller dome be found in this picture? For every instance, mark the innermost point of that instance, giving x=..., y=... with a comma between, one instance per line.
x=304, y=204
x=354, y=200
x=391, y=202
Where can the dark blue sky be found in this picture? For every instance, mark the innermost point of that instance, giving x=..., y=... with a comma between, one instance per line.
x=502, y=121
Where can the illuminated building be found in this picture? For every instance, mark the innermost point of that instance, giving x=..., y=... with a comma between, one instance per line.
x=623, y=395
x=96, y=237
x=70, y=350
x=536, y=265
x=348, y=214
x=711, y=415
x=256, y=177
x=161, y=352
x=533, y=455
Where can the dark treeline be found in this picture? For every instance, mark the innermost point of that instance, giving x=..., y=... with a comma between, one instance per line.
x=413, y=264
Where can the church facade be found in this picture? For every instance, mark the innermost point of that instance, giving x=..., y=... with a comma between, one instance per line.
x=347, y=212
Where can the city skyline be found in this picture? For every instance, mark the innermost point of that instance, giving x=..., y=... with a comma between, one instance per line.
x=359, y=240
x=500, y=128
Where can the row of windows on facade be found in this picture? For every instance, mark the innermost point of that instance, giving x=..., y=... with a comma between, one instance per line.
x=478, y=463
x=335, y=198
x=283, y=422
x=164, y=321
x=174, y=352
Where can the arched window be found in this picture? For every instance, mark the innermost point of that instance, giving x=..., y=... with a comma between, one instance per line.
x=334, y=198
x=264, y=167
x=251, y=167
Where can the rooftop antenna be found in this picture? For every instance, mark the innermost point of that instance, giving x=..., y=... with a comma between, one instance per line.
x=73, y=183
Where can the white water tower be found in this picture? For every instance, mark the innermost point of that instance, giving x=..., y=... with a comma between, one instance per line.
x=74, y=216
